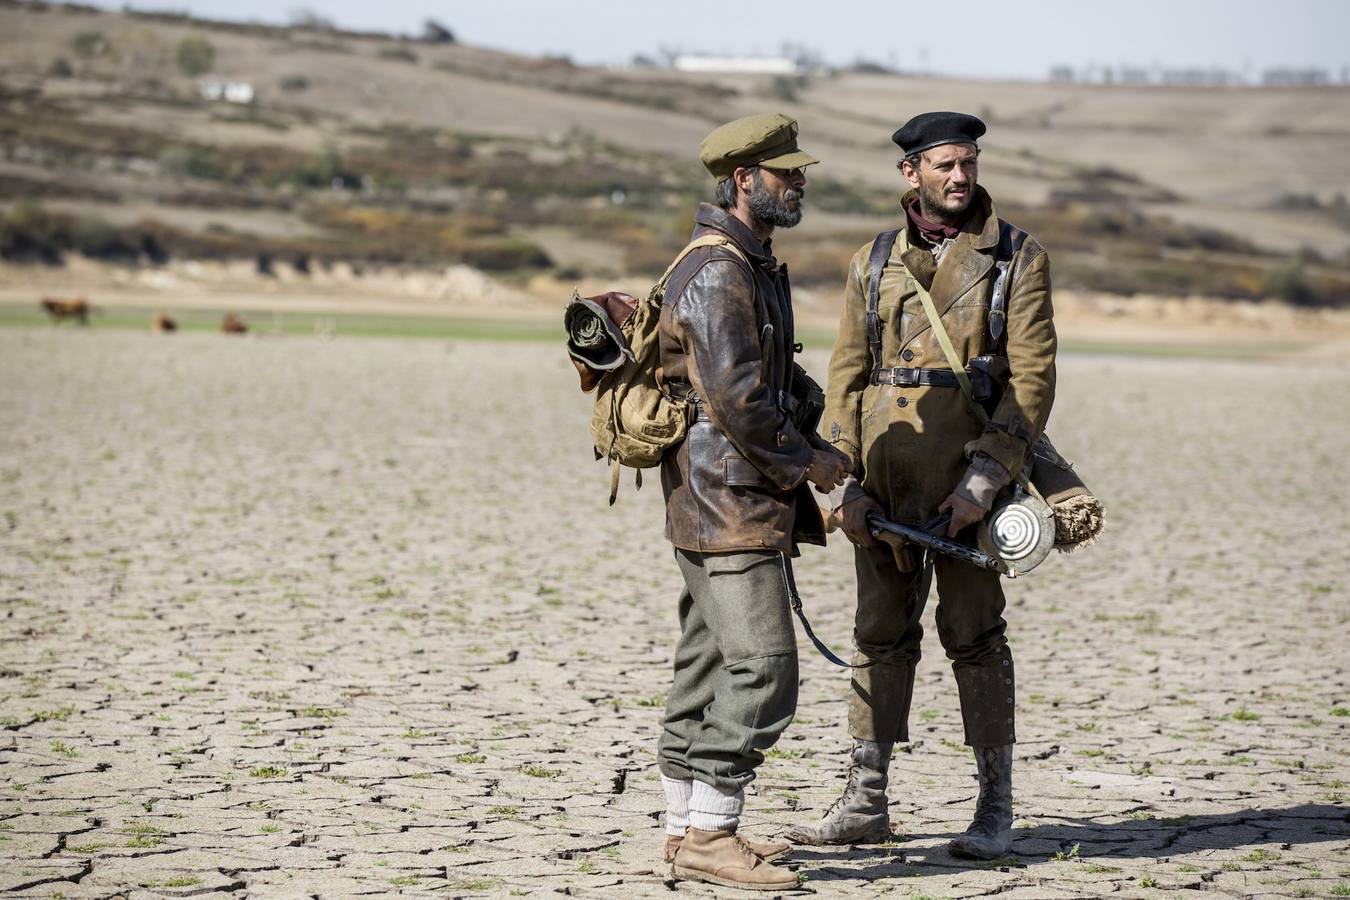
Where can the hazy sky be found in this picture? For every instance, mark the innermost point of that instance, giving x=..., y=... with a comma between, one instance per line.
x=999, y=38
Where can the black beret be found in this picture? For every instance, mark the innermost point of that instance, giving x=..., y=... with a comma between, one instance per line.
x=935, y=128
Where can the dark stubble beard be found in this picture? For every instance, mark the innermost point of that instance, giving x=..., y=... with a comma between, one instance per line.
x=931, y=206
x=770, y=209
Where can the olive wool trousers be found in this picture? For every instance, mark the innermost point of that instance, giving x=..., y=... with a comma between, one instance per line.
x=971, y=627
x=735, y=686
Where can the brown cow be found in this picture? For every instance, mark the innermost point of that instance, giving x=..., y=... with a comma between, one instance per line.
x=232, y=324
x=62, y=308
x=163, y=324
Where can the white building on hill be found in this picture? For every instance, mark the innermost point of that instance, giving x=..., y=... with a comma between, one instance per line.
x=741, y=65
x=229, y=91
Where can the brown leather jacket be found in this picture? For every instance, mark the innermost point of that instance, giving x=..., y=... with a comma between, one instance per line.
x=738, y=479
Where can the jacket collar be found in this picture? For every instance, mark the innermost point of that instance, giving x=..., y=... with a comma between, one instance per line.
x=967, y=262
x=712, y=217
x=981, y=224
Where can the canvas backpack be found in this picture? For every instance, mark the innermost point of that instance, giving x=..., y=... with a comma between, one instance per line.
x=635, y=420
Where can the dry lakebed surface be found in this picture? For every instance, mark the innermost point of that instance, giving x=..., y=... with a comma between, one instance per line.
x=285, y=617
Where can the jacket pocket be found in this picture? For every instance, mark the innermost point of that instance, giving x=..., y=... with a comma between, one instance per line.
x=737, y=471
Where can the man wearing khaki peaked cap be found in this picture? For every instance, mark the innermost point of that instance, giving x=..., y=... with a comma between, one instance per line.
x=952, y=288
x=737, y=501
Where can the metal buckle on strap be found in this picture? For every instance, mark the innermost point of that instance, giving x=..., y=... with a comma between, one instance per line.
x=919, y=377
x=899, y=377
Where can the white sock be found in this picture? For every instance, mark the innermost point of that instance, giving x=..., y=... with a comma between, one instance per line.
x=714, y=810
x=678, y=791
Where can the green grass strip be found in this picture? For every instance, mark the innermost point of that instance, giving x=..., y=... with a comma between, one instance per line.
x=135, y=318
x=411, y=325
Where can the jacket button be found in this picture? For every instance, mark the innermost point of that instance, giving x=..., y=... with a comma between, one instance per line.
x=907, y=355
x=902, y=402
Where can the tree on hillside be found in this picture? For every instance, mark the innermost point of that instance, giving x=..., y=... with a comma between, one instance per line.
x=89, y=44
x=196, y=56
x=304, y=17
x=434, y=32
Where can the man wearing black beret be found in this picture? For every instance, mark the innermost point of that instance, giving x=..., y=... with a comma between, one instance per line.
x=921, y=449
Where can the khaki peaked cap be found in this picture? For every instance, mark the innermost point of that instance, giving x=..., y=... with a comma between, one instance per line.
x=769, y=139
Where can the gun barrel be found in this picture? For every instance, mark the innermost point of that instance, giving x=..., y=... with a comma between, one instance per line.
x=935, y=542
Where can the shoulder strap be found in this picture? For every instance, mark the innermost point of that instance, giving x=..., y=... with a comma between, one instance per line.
x=1010, y=240
x=876, y=263
x=963, y=379
x=706, y=240
x=949, y=350
x=656, y=295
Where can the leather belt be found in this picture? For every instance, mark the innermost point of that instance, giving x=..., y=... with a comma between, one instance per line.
x=786, y=402
x=902, y=377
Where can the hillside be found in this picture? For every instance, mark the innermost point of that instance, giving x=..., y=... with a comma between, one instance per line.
x=373, y=152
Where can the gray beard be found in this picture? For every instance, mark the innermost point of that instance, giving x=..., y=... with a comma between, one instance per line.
x=769, y=209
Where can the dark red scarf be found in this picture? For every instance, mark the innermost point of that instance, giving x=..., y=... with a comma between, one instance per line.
x=932, y=231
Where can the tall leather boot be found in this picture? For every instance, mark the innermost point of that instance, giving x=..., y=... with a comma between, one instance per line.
x=859, y=816
x=990, y=833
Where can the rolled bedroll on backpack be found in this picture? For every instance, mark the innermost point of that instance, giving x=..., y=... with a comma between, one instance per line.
x=595, y=339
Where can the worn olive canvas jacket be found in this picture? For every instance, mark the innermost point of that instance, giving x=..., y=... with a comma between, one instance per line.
x=910, y=445
x=737, y=480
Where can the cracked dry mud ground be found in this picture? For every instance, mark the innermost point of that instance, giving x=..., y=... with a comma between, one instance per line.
x=286, y=618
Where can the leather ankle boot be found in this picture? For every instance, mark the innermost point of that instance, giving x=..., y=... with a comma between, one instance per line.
x=990, y=833
x=765, y=850
x=859, y=816
x=721, y=857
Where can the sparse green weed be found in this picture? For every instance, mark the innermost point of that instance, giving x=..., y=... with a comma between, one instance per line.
x=54, y=715
x=1072, y=854
x=778, y=753
x=317, y=712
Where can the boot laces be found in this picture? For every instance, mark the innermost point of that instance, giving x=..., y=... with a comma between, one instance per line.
x=987, y=805
x=749, y=854
x=850, y=786
x=986, y=811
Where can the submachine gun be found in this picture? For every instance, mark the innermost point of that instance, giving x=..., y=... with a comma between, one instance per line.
x=932, y=537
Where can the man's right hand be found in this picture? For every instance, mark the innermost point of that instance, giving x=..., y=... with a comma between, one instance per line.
x=827, y=469
x=854, y=520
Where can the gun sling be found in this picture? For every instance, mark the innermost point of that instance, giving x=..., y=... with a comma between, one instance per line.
x=921, y=600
